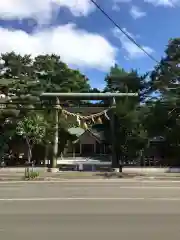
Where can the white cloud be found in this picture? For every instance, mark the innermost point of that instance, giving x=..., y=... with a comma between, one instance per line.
x=136, y=12
x=76, y=47
x=116, y=4
x=122, y=1
x=166, y=3
x=42, y=10
x=132, y=51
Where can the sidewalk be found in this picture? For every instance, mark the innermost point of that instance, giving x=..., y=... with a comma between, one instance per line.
x=48, y=176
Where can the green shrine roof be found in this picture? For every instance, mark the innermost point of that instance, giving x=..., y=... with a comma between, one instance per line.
x=76, y=131
x=79, y=131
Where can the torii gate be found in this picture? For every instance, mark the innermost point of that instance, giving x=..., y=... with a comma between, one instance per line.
x=86, y=96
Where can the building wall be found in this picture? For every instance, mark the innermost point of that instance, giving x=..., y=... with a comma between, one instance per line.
x=87, y=138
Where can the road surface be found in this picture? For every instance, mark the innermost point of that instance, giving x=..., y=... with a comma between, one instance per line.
x=90, y=210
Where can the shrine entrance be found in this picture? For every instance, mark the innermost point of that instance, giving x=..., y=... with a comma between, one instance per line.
x=94, y=113
x=87, y=149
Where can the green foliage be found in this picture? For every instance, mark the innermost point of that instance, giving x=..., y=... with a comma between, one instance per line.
x=45, y=73
x=163, y=117
x=130, y=135
x=56, y=76
x=137, y=120
x=32, y=128
x=24, y=78
x=31, y=174
x=7, y=129
x=119, y=80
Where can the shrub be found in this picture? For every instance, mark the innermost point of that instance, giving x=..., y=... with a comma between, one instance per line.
x=30, y=174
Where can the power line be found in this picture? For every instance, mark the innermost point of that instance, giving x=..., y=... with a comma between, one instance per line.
x=128, y=36
x=124, y=32
x=131, y=38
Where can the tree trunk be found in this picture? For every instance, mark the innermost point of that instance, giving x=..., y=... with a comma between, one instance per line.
x=29, y=154
x=29, y=158
x=29, y=150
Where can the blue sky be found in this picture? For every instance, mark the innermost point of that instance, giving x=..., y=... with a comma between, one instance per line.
x=84, y=38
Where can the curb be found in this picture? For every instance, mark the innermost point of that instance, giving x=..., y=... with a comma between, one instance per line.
x=91, y=181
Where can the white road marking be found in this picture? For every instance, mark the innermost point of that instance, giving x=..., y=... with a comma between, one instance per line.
x=150, y=187
x=86, y=199
x=92, y=185
x=93, y=181
x=121, y=187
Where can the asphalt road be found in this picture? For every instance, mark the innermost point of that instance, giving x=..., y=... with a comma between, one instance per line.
x=90, y=210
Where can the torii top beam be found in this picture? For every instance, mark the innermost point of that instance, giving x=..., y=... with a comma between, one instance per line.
x=88, y=96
